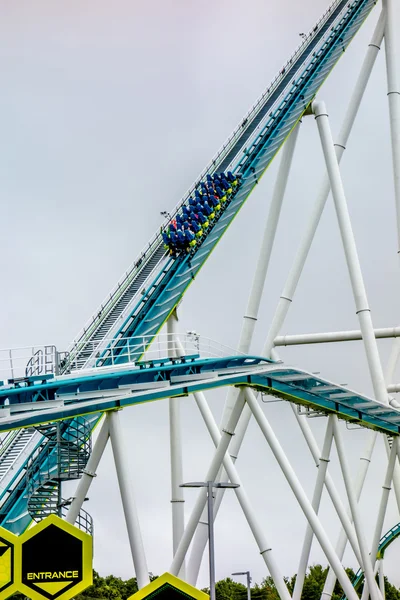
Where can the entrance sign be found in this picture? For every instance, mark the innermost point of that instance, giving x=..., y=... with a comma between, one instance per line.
x=9, y=558
x=56, y=560
x=169, y=587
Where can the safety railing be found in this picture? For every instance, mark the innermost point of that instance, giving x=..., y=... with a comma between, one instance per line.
x=13, y=365
x=156, y=240
x=102, y=315
x=27, y=361
x=140, y=349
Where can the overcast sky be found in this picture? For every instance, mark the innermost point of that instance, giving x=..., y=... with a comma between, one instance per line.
x=108, y=112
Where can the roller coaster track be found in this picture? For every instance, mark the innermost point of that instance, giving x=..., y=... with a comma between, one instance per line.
x=384, y=543
x=142, y=301
x=93, y=391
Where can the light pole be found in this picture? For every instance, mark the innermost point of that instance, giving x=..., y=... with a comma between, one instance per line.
x=210, y=506
x=247, y=573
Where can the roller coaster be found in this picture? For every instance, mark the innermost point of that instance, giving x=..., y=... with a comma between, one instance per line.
x=51, y=401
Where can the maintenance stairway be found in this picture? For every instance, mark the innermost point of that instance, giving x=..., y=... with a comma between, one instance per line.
x=62, y=456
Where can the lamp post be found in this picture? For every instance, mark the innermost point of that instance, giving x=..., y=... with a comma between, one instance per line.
x=210, y=507
x=247, y=573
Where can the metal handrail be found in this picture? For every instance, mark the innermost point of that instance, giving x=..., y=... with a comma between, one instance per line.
x=146, y=347
x=114, y=300
x=218, y=156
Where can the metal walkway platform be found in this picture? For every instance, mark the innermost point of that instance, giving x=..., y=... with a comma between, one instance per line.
x=32, y=401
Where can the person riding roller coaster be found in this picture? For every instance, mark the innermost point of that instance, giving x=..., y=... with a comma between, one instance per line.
x=190, y=226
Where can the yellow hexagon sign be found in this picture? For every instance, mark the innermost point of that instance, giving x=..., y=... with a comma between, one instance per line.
x=9, y=561
x=56, y=560
x=169, y=587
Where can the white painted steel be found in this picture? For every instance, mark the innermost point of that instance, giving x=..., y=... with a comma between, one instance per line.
x=333, y=336
x=384, y=499
x=316, y=500
x=89, y=473
x=128, y=502
x=393, y=90
x=175, y=441
x=246, y=335
x=365, y=460
x=300, y=495
x=330, y=486
x=253, y=306
x=381, y=579
x=360, y=296
x=342, y=139
x=353, y=502
x=262, y=543
x=393, y=388
x=211, y=475
x=389, y=374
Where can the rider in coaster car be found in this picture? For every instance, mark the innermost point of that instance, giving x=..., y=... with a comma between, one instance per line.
x=225, y=185
x=181, y=238
x=208, y=210
x=166, y=239
x=203, y=220
x=189, y=235
x=194, y=223
x=232, y=179
x=173, y=243
x=220, y=193
x=214, y=202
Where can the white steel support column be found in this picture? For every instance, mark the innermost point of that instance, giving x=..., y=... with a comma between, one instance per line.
x=342, y=139
x=334, y=336
x=365, y=462
x=246, y=335
x=89, y=473
x=319, y=486
x=262, y=543
x=393, y=91
x=350, y=249
x=384, y=498
x=253, y=305
x=389, y=374
x=381, y=579
x=128, y=502
x=212, y=473
x=382, y=509
x=175, y=441
x=365, y=459
x=300, y=495
x=330, y=486
x=302, y=253
x=368, y=569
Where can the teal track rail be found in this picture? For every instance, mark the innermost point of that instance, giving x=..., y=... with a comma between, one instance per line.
x=298, y=87
x=385, y=541
x=114, y=387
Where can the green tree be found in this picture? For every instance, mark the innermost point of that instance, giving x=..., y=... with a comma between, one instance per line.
x=227, y=589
